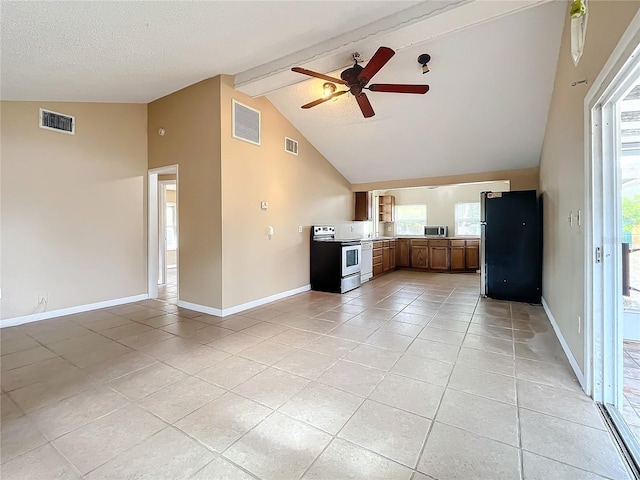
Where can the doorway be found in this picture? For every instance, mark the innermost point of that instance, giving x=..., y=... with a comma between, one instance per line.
x=168, y=239
x=612, y=133
x=163, y=234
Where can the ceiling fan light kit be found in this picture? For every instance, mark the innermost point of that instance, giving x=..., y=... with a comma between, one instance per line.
x=357, y=77
x=328, y=89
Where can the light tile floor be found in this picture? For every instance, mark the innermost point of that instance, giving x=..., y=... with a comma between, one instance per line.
x=409, y=376
x=631, y=386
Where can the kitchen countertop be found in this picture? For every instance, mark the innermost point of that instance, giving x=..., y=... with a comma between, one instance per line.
x=422, y=237
x=409, y=237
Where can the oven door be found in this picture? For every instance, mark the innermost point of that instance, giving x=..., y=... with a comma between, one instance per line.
x=351, y=255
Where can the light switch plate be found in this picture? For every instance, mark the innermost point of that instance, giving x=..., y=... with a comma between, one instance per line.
x=299, y=228
x=264, y=205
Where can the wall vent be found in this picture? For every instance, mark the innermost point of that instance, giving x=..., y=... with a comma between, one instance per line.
x=290, y=145
x=246, y=123
x=58, y=122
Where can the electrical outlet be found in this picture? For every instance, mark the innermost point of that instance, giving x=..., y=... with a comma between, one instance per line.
x=579, y=324
x=43, y=298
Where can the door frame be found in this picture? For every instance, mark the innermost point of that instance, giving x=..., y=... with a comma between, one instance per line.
x=162, y=225
x=153, y=227
x=603, y=310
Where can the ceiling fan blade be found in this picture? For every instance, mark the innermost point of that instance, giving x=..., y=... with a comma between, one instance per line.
x=311, y=73
x=398, y=88
x=323, y=99
x=365, y=105
x=379, y=59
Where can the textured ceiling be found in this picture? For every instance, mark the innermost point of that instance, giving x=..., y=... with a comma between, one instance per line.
x=137, y=51
x=491, y=86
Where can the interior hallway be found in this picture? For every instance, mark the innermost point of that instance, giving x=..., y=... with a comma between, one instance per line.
x=410, y=376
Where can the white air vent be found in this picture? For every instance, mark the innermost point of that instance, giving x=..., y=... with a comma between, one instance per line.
x=246, y=123
x=290, y=145
x=58, y=122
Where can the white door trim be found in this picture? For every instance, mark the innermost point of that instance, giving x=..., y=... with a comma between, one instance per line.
x=603, y=309
x=153, y=242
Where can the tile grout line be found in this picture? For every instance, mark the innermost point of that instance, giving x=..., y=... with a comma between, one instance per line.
x=435, y=414
x=517, y=394
x=385, y=372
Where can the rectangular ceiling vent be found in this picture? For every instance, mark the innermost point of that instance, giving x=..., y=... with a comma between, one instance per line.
x=246, y=123
x=290, y=145
x=58, y=122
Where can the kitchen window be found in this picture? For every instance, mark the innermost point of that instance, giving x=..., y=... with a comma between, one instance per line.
x=410, y=219
x=468, y=219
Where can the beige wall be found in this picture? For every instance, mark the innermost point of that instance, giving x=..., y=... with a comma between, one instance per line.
x=226, y=258
x=191, y=120
x=521, y=179
x=441, y=201
x=301, y=190
x=562, y=167
x=73, y=206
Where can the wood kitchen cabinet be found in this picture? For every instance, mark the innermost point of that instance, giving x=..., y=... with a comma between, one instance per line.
x=384, y=256
x=472, y=255
x=403, y=252
x=386, y=206
x=419, y=254
x=363, y=207
x=392, y=255
x=377, y=258
x=432, y=254
x=439, y=254
x=458, y=255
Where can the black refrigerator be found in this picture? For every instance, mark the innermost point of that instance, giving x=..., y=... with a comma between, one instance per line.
x=511, y=246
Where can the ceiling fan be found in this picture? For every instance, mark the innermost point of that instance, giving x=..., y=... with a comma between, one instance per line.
x=357, y=78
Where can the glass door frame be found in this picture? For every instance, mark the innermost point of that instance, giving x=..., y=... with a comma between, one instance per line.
x=603, y=256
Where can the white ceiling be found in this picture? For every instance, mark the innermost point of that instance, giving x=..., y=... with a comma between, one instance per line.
x=491, y=86
x=491, y=80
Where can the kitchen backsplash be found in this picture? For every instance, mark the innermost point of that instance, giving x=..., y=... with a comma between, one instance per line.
x=354, y=229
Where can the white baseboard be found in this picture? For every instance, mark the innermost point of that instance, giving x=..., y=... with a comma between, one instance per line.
x=10, y=322
x=216, y=312
x=565, y=347
x=242, y=307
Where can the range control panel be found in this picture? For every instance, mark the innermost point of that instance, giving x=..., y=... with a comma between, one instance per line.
x=319, y=230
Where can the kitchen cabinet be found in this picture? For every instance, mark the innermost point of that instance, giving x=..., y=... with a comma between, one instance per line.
x=439, y=254
x=457, y=255
x=431, y=254
x=392, y=255
x=419, y=253
x=377, y=258
x=403, y=252
x=385, y=258
x=384, y=252
x=472, y=255
x=386, y=207
x=363, y=206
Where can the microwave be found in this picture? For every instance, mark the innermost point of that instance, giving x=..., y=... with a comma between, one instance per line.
x=436, y=231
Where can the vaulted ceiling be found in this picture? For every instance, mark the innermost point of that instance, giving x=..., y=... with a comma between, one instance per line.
x=492, y=70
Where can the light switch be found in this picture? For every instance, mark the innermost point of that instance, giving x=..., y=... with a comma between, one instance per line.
x=264, y=205
x=299, y=228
